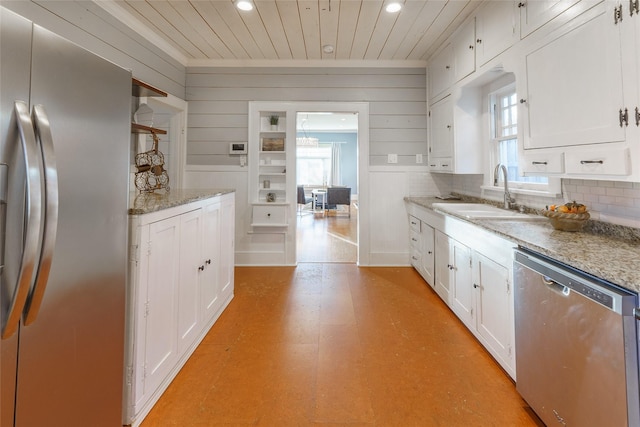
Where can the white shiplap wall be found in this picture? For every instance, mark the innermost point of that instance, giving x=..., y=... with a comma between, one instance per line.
x=218, y=107
x=218, y=104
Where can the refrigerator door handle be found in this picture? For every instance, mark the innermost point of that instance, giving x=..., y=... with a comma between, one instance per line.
x=50, y=226
x=33, y=217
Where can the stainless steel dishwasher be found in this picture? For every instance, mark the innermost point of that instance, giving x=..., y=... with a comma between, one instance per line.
x=576, y=345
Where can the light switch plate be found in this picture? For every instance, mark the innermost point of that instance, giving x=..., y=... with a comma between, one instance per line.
x=418, y=158
x=392, y=158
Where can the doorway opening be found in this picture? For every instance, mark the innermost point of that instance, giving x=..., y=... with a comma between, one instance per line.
x=327, y=186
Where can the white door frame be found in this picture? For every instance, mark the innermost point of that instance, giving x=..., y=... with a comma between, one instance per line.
x=362, y=109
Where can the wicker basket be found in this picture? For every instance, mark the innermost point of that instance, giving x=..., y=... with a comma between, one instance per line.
x=567, y=221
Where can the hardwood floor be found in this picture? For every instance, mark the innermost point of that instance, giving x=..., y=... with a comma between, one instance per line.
x=325, y=344
x=327, y=238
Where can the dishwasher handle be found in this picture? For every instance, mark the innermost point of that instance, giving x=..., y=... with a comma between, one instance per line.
x=555, y=286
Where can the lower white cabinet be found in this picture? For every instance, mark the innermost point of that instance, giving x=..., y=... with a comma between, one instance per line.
x=461, y=282
x=422, y=249
x=181, y=279
x=442, y=265
x=494, y=320
x=472, y=273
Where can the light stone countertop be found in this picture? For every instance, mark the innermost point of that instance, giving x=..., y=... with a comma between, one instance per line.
x=144, y=203
x=607, y=251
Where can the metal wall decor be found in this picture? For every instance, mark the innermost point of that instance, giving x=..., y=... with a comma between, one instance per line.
x=151, y=174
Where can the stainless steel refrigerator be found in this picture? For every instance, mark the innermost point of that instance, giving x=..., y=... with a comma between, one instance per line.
x=64, y=173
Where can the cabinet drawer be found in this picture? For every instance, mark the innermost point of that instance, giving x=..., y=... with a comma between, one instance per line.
x=414, y=223
x=443, y=164
x=269, y=216
x=599, y=162
x=416, y=239
x=543, y=163
x=415, y=258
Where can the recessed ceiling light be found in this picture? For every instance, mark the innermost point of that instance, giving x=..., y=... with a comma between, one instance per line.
x=393, y=7
x=245, y=5
x=327, y=48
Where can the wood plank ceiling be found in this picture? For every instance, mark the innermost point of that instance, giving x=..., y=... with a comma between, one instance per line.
x=199, y=32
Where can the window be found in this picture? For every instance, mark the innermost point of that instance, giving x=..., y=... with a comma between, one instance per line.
x=504, y=141
x=313, y=165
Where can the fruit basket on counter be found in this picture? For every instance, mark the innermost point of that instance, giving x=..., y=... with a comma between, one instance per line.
x=568, y=217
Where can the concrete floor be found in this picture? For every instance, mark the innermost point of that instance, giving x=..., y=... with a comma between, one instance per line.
x=336, y=345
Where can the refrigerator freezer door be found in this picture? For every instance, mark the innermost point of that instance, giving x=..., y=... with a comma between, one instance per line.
x=70, y=358
x=15, y=60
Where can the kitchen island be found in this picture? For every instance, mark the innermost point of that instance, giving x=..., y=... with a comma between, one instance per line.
x=181, y=275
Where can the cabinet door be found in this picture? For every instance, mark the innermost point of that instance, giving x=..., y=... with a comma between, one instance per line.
x=440, y=73
x=160, y=346
x=227, y=246
x=464, y=54
x=493, y=294
x=534, y=14
x=563, y=106
x=191, y=268
x=462, y=292
x=497, y=25
x=441, y=134
x=428, y=253
x=210, y=276
x=442, y=266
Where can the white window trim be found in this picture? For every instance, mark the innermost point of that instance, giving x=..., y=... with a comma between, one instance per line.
x=552, y=189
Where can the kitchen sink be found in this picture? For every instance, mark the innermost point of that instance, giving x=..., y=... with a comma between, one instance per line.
x=482, y=211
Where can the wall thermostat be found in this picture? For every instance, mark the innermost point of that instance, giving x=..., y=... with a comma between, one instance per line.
x=238, y=148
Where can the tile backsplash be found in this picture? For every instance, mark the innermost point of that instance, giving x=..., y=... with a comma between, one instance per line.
x=608, y=201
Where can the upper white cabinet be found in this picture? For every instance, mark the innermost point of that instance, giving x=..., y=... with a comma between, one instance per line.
x=464, y=51
x=455, y=61
x=572, y=93
x=497, y=29
x=440, y=73
x=586, y=125
x=454, y=143
x=440, y=130
x=535, y=13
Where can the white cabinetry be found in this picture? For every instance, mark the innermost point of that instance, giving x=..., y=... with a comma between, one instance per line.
x=270, y=187
x=442, y=266
x=579, y=108
x=191, y=267
x=460, y=279
x=422, y=248
x=156, y=308
x=494, y=305
x=583, y=126
x=497, y=29
x=455, y=124
x=473, y=275
x=464, y=54
x=181, y=279
x=534, y=14
x=440, y=73
x=480, y=276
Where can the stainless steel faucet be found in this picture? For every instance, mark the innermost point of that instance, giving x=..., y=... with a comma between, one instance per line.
x=507, y=196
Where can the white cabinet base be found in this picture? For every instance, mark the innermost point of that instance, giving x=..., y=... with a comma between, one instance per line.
x=180, y=281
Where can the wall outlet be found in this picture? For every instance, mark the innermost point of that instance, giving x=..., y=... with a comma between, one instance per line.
x=392, y=158
x=243, y=160
x=418, y=158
